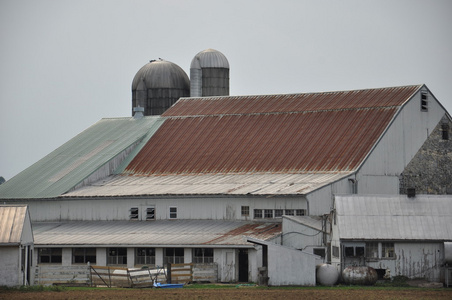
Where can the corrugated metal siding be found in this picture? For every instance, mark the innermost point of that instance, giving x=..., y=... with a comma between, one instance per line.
x=394, y=217
x=161, y=233
x=74, y=161
x=12, y=219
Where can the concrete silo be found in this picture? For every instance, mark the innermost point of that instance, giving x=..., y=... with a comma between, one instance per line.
x=209, y=74
x=158, y=85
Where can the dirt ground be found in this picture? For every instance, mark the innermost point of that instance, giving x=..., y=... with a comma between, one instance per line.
x=236, y=293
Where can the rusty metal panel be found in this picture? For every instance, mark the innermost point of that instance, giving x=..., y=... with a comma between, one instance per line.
x=12, y=220
x=309, y=102
x=320, y=141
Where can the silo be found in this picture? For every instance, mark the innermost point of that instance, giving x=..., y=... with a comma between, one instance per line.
x=158, y=85
x=209, y=74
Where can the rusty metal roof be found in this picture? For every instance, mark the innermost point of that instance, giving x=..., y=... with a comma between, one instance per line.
x=153, y=233
x=12, y=221
x=297, y=133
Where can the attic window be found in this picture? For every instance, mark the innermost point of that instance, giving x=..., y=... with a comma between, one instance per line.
x=424, y=102
x=245, y=211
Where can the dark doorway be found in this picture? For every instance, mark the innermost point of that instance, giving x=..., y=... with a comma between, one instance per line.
x=243, y=265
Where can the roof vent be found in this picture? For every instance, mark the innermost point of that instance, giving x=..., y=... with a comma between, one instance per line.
x=138, y=112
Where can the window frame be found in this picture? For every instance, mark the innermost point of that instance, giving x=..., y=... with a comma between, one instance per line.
x=87, y=257
x=134, y=213
x=55, y=255
x=150, y=213
x=172, y=258
x=424, y=101
x=114, y=259
x=245, y=211
x=147, y=259
x=258, y=213
x=203, y=255
x=172, y=214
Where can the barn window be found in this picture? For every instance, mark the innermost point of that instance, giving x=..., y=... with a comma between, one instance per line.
x=83, y=255
x=289, y=212
x=387, y=250
x=117, y=256
x=268, y=213
x=133, y=213
x=258, y=213
x=174, y=255
x=173, y=212
x=279, y=213
x=50, y=255
x=145, y=256
x=203, y=255
x=372, y=250
x=300, y=212
x=150, y=213
x=245, y=211
x=353, y=251
x=424, y=102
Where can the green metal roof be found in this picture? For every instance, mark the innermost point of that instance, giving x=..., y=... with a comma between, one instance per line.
x=74, y=161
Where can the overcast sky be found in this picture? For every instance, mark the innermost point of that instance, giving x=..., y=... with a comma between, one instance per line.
x=64, y=65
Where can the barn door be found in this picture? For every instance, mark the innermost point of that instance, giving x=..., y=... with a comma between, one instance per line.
x=243, y=265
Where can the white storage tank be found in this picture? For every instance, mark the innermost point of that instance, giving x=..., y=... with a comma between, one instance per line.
x=327, y=274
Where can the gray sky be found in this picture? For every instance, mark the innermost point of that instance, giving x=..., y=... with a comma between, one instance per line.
x=64, y=65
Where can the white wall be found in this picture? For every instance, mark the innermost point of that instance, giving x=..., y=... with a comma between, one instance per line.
x=215, y=208
x=10, y=274
x=288, y=266
x=405, y=136
x=415, y=260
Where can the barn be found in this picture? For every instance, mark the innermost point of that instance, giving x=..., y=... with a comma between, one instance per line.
x=215, y=178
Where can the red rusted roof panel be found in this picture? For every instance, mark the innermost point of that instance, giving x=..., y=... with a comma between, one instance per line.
x=382, y=97
x=296, y=142
x=323, y=132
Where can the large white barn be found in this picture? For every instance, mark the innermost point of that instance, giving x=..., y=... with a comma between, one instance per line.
x=195, y=183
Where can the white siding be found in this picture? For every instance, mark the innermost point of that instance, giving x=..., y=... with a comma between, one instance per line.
x=10, y=274
x=215, y=208
x=398, y=146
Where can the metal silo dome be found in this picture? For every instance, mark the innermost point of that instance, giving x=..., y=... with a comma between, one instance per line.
x=209, y=74
x=158, y=85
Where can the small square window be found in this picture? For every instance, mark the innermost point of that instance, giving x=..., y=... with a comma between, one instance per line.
x=150, y=213
x=299, y=212
x=445, y=132
x=173, y=213
x=268, y=213
x=289, y=212
x=335, y=251
x=279, y=213
x=133, y=213
x=245, y=211
x=258, y=213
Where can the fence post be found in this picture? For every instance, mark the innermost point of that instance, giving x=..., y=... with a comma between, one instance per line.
x=168, y=273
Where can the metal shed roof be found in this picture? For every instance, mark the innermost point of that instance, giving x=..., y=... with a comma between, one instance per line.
x=153, y=233
x=12, y=221
x=70, y=164
x=381, y=217
x=207, y=184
